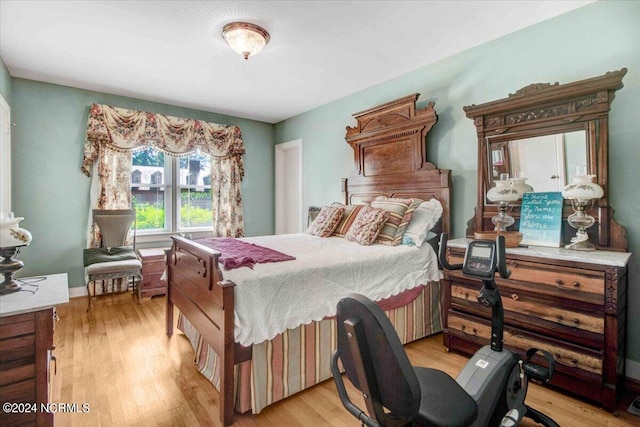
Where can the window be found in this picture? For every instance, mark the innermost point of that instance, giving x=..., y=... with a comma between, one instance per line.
x=171, y=194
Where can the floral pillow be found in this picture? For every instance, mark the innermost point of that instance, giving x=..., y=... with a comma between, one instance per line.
x=400, y=213
x=367, y=225
x=326, y=221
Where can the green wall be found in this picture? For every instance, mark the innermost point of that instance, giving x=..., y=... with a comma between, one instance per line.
x=52, y=194
x=5, y=83
x=586, y=42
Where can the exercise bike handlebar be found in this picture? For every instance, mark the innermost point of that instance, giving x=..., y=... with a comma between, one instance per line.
x=442, y=254
x=501, y=258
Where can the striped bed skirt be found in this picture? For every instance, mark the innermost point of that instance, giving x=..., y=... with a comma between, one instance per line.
x=299, y=358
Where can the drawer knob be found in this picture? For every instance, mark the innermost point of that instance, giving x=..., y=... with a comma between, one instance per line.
x=515, y=296
x=560, y=285
x=560, y=317
x=576, y=322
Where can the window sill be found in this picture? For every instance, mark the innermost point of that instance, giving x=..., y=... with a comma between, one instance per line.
x=163, y=238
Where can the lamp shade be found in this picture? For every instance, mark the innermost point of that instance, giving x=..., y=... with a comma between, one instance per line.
x=245, y=38
x=10, y=234
x=503, y=192
x=583, y=188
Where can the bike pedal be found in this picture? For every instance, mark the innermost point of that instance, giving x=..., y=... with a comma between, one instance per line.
x=538, y=372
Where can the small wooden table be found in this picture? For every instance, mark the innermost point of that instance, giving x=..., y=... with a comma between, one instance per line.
x=153, y=264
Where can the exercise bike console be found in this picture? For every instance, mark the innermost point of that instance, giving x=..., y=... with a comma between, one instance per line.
x=480, y=260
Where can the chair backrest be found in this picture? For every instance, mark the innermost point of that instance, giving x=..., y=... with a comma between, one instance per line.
x=383, y=363
x=114, y=225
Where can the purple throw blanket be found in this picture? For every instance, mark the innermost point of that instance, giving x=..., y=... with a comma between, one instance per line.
x=236, y=253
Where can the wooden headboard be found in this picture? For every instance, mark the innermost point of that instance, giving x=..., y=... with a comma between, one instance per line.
x=390, y=155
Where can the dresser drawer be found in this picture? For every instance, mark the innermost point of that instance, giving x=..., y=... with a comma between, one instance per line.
x=568, y=356
x=537, y=311
x=564, y=282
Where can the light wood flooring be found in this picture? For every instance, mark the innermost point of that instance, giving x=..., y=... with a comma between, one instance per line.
x=118, y=360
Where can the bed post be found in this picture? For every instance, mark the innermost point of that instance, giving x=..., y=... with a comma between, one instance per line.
x=169, y=306
x=227, y=374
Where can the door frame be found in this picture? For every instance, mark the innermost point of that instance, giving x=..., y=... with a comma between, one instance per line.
x=279, y=182
x=5, y=157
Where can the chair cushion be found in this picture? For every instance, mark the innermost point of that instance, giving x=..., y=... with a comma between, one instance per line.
x=443, y=401
x=114, y=267
x=99, y=255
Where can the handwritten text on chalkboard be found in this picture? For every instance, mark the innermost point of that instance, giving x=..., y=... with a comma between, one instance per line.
x=541, y=218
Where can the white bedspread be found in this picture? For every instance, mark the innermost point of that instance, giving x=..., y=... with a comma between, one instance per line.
x=277, y=296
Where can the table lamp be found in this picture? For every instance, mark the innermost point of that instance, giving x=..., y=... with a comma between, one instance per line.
x=582, y=192
x=502, y=194
x=12, y=238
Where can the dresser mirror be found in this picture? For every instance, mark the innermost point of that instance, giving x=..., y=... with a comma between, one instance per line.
x=543, y=132
x=546, y=161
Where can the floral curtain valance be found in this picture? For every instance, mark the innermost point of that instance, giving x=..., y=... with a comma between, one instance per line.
x=125, y=130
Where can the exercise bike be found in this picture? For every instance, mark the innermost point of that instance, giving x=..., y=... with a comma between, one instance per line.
x=496, y=378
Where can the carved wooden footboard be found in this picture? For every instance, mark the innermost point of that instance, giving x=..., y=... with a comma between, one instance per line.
x=196, y=287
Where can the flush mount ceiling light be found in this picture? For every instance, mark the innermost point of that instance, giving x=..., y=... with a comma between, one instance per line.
x=245, y=38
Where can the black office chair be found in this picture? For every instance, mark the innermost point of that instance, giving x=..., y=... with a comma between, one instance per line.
x=376, y=364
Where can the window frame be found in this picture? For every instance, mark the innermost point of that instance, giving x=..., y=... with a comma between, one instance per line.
x=172, y=192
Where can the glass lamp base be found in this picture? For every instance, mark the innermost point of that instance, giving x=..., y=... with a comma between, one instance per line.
x=581, y=242
x=8, y=267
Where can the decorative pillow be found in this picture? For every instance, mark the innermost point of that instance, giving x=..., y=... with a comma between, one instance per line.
x=367, y=225
x=424, y=218
x=400, y=213
x=350, y=214
x=326, y=221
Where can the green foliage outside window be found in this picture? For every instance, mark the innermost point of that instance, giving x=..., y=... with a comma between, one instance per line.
x=151, y=217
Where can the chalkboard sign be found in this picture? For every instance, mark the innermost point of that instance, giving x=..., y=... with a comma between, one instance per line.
x=541, y=219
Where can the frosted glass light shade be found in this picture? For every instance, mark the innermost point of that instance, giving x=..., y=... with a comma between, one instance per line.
x=503, y=192
x=10, y=234
x=583, y=188
x=245, y=38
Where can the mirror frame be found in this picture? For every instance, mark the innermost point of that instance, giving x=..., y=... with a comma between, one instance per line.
x=543, y=109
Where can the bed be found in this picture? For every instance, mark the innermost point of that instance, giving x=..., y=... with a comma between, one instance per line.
x=254, y=357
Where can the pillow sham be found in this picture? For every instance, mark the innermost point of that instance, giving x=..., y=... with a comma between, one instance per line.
x=349, y=216
x=367, y=225
x=326, y=221
x=400, y=213
x=424, y=218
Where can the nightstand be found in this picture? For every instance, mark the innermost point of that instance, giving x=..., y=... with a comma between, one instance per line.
x=153, y=265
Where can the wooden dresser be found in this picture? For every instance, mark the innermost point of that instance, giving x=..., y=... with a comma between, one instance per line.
x=572, y=304
x=26, y=347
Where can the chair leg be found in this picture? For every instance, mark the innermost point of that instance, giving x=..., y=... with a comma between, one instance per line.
x=89, y=294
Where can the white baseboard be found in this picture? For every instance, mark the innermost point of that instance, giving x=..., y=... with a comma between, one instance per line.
x=633, y=370
x=79, y=291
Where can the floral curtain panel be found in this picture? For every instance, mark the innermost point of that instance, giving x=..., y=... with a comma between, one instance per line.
x=112, y=133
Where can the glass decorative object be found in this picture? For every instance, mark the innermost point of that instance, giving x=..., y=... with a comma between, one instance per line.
x=582, y=192
x=12, y=238
x=502, y=194
x=520, y=184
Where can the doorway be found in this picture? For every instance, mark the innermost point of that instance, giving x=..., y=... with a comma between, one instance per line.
x=289, y=212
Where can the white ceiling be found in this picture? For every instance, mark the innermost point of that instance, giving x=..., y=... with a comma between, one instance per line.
x=172, y=51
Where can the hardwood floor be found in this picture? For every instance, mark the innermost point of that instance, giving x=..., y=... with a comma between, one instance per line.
x=118, y=361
